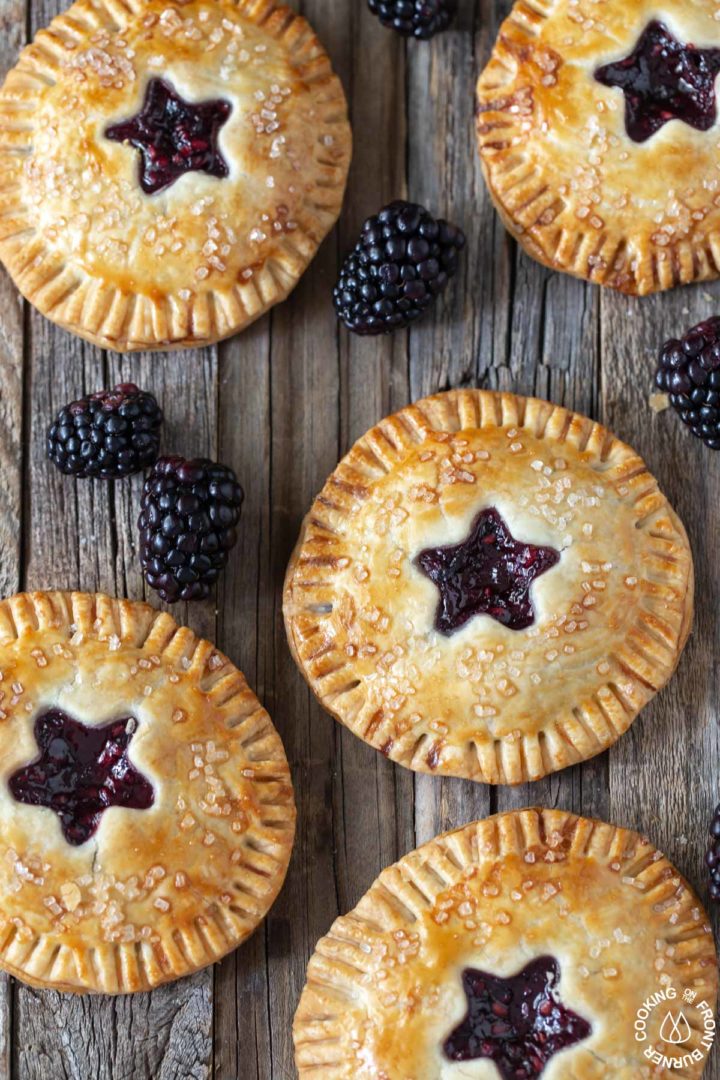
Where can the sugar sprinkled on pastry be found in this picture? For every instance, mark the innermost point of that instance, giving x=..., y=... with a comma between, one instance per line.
x=598, y=130
x=531, y=944
x=146, y=806
x=489, y=586
x=168, y=170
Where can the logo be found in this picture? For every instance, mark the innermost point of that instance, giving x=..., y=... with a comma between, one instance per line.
x=688, y=1025
x=675, y=1029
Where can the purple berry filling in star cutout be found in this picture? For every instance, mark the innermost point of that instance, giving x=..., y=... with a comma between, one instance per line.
x=662, y=80
x=173, y=136
x=80, y=772
x=490, y=573
x=518, y=1022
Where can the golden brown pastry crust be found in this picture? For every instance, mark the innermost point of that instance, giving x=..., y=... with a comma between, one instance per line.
x=158, y=893
x=205, y=257
x=489, y=703
x=577, y=193
x=383, y=988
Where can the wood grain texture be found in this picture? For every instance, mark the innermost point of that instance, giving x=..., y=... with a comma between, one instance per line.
x=12, y=457
x=281, y=403
x=12, y=36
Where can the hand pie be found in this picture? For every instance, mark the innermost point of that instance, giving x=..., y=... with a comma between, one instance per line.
x=146, y=807
x=534, y=943
x=168, y=170
x=598, y=133
x=489, y=586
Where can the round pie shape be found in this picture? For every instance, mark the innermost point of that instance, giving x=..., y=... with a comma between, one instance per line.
x=488, y=702
x=384, y=988
x=206, y=255
x=577, y=192
x=154, y=893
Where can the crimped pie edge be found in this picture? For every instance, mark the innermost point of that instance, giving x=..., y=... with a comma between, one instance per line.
x=115, y=968
x=325, y=1046
x=383, y=444
x=595, y=254
x=125, y=321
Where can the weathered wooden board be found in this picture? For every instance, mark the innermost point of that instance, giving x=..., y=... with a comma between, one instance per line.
x=280, y=403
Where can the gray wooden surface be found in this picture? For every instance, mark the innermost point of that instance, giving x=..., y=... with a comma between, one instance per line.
x=280, y=403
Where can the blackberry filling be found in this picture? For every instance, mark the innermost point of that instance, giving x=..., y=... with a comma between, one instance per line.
x=517, y=1023
x=80, y=772
x=662, y=80
x=173, y=136
x=490, y=573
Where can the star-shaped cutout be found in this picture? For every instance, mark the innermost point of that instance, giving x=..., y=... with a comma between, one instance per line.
x=173, y=136
x=662, y=80
x=518, y=1022
x=80, y=772
x=490, y=573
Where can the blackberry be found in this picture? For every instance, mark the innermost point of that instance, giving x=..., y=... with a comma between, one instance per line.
x=402, y=261
x=712, y=859
x=107, y=435
x=188, y=515
x=689, y=372
x=415, y=18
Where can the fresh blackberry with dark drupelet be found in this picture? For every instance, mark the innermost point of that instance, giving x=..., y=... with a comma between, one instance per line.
x=108, y=435
x=187, y=526
x=402, y=261
x=415, y=18
x=712, y=858
x=689, y=372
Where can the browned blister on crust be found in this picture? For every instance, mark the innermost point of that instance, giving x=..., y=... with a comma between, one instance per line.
x=154, y=893
x=570, y=184
x=489, y=703
x=384, y=987
x=202, y=259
